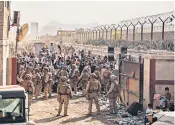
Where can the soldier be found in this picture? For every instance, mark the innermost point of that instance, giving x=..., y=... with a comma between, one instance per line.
x=47, y=83
x=92, y=92
x=98, y=74
x=29, y=87
x=74, y=80
x=87, y=66
x=64, y=94
x=26, y=72
x=21, y=72
x=106, y=77
x=63, y=72
x=38, y=83
x=83, y=79
x=113, y=93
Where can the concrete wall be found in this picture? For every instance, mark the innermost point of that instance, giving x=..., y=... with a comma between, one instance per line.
x=4, y=41
x=146, y=82
x=158, y=74
x=164, y=69
x=164, y=76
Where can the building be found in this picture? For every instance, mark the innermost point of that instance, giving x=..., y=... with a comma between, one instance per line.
x=65, y=36
x=5, y=7
x=34, y=30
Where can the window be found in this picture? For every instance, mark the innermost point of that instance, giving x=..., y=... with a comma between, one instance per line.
x=7, y=4
x=12, y=110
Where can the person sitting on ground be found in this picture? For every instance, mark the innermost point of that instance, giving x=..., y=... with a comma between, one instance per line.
x=167, y=94
x=149, y=109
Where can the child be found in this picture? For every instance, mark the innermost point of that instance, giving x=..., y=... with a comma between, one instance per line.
x=167, y=94
x=149, y=109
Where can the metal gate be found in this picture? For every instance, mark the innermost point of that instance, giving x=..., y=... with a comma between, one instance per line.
x=131, y=81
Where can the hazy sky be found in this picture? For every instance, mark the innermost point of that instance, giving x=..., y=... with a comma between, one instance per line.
x=88, y=12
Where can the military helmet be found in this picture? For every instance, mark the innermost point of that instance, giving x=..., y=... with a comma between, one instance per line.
x=36, y=70
x=46, y=69
x=21, y=67
x=112, y=77
x=28, y=76
x=97, y=67
x=93, y=75
x=74, y=65
x=107, y=66
x=28, y=67
x=64, y=67
x=85, y=70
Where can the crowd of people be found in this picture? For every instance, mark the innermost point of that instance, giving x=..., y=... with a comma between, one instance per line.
x=65, y=73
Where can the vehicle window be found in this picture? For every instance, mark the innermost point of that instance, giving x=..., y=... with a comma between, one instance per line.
x=11, y=110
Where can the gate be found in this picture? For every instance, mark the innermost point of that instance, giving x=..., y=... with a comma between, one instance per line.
x=131, y=81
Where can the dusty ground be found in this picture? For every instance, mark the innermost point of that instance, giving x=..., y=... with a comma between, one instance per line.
x=44, y=113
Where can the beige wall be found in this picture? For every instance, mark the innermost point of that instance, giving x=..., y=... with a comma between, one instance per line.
x=146, y=82
x=164, y=69
x=1, y=18
x=4, y=41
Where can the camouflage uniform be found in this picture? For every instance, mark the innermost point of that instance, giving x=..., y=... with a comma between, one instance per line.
x=63, y=72
x=38, y=83
x=92, y=90
x=113, y=93
x=106, y=78
x=64, y=94
x=26, y=72
x=29, y=87
x=98, y=74
x=48, y=83
x=74, y=80
x=84, y=80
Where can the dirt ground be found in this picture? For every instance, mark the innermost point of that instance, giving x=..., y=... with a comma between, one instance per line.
x=44, y=112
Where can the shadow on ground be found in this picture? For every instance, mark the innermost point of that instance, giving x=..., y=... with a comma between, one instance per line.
x=89, y=118
x=45, y=120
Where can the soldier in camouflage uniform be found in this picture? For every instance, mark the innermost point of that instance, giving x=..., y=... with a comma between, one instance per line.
x=27, y=71
x=63, y=72
x=74, y=80
x=29, y=87
x=38, y=83
x=106, y=78
x=64, y=94
x=97, y=73
x=83, y=80
x=92, y=92
x=113, y=94
x=47, y=83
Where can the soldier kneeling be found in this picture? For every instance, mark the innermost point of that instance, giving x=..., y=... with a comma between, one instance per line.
x=64, y=94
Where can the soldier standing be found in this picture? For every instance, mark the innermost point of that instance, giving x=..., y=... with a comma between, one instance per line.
x=106, y=77
x=74, y=80
x=83, y=79
x=47, y=83
x=98, y=74
x=38, y=83
x=26, y=72
x=92, y=92
x=29, y=87
x=113, y=93
x=64, y=94
x=63, y=72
